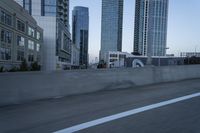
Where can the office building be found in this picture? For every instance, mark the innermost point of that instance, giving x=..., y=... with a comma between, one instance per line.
x=80, y=33
x=150, y=36
x=115, y=59
x=53, y=17
x=111, y=26
x=21, y=37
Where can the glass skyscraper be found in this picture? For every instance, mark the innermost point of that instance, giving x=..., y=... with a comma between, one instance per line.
x=111, y=26
x=53, y=17
x=80, y=32
x=150, y=37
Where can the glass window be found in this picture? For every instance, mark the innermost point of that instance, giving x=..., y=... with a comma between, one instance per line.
x=31, y=32
x=38, y=47
x=20, y=25
x=6, y=18
x=27, y=4
x=30, y=57
x=38, y=58
x=6, y=36
x=48, y=8
x=113, y=55
x=2, y=35
x=30, y=45
x=38, y=35
x=5, y=53
x=20, y=41
x=3, y=15
x=20, y=55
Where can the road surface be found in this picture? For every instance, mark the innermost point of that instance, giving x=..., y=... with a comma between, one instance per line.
x=57, y=115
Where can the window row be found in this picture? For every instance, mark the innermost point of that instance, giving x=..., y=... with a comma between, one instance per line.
x=20, y=25
x=21, y=56
x=6, y=37
x=5, y=54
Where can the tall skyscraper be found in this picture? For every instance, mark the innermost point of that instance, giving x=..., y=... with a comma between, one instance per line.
x=151, y=17
x=53, y=17
x=111, y=26
x=80, y=30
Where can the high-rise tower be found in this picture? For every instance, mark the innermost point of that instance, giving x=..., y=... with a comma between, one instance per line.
x=111, y=26
x=150, y=37
x=80, y=33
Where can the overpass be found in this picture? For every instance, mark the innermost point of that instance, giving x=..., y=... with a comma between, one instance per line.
x=158, y=100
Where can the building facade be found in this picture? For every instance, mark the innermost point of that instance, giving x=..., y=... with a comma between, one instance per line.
x=111, y=26
x=53, y=17
x=21, y=37
x=80, y=33
x=151, y=18
x=115, y=59
x=190, y=54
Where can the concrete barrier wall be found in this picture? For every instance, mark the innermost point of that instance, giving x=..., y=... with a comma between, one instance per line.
x=16, y=88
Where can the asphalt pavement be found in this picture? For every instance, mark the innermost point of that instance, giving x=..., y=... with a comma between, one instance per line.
x=53, y=115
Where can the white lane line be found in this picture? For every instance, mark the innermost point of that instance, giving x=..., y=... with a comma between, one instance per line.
x=125, y=114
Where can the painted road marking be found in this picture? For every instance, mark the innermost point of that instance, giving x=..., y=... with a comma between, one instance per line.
x=125, y=114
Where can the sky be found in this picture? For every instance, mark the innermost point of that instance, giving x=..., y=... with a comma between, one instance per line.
x=183, y=26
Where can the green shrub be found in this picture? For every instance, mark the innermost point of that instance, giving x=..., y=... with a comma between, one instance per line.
x=24, y=66
x=1, y=69
x=35, y=66
x=14, y=69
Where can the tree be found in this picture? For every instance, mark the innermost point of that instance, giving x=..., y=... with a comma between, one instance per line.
x=24, y=66
x=1, y=69
x=101, y=64
x=192, y=60
x=35, y=66
x=14, y=69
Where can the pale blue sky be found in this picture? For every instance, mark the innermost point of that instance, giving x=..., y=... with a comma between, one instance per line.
x=183, y=25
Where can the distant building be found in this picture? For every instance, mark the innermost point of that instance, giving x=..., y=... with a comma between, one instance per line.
x=80, y=33
x=75, y=56
x=111, y=26
x=151, y=18
x=115, y=59
x=21, y=37
x=53, y=17
x=140, y=61
x=190, y=54
x=123, y=59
